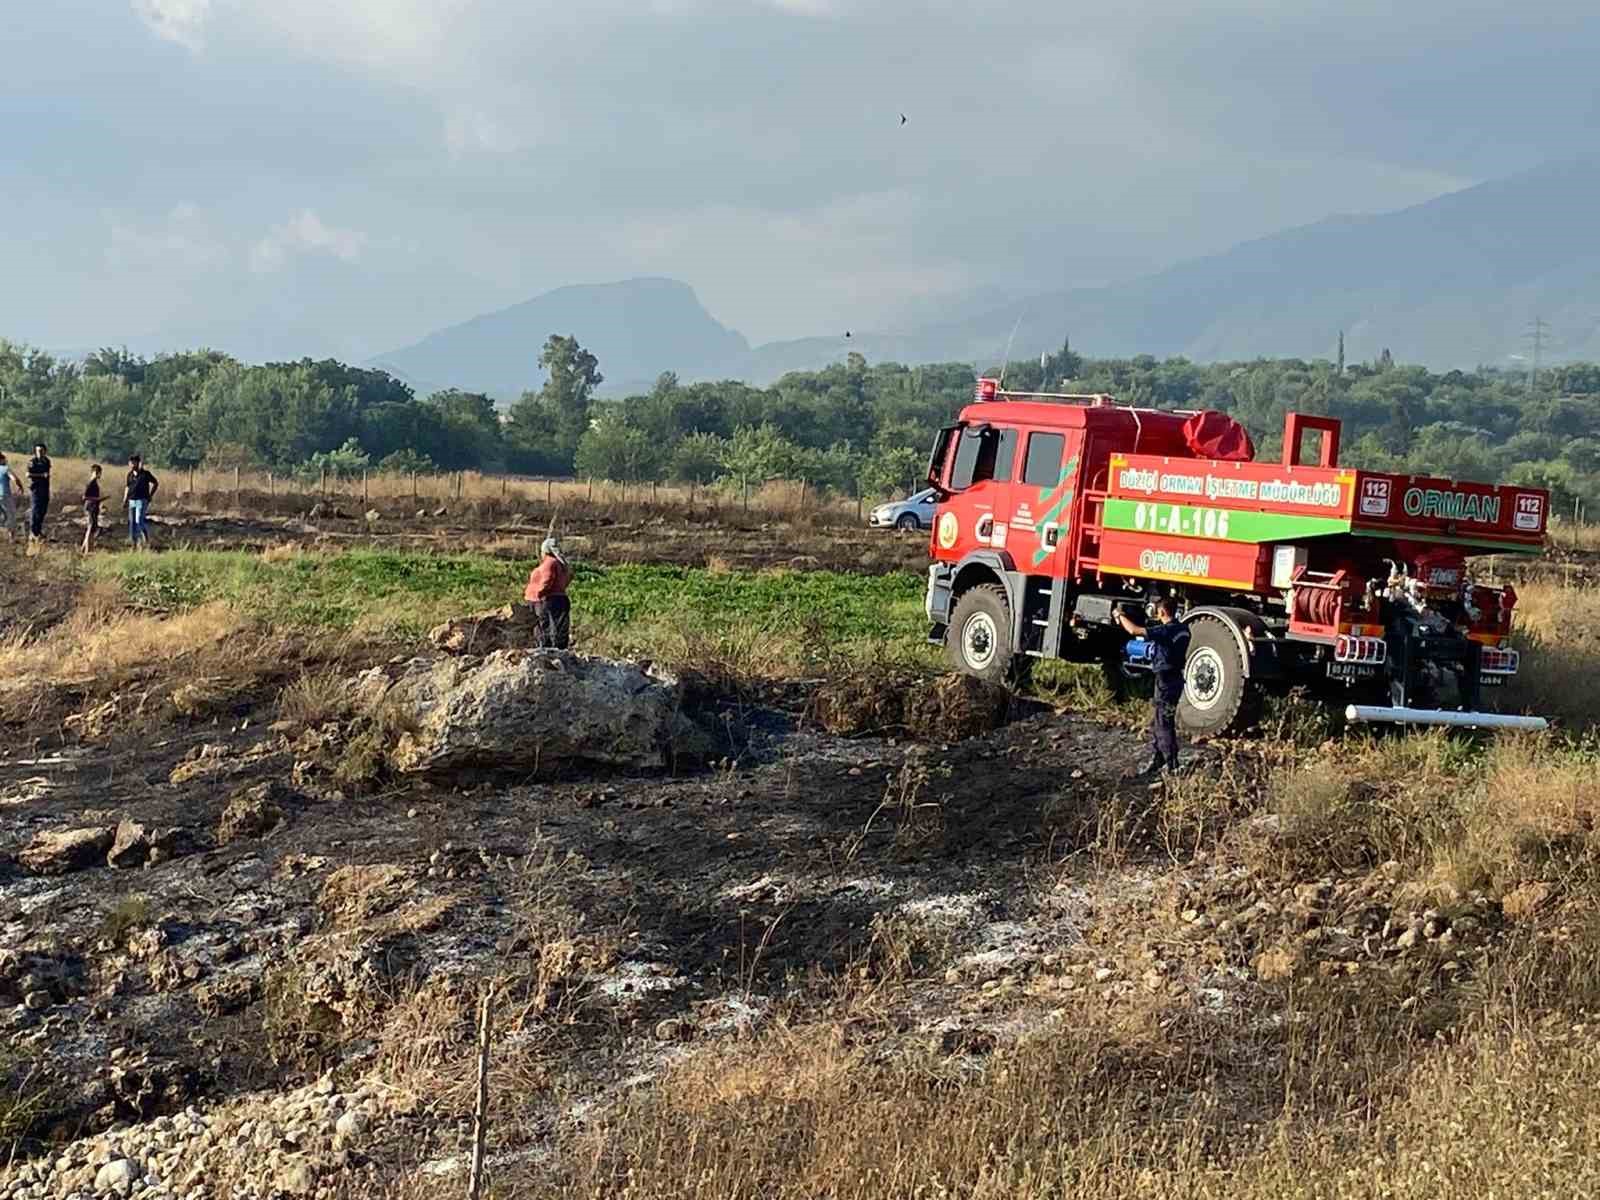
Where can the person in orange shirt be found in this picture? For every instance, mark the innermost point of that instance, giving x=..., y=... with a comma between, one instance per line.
x=547, y=594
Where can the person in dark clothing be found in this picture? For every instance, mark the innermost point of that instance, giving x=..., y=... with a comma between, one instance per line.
x=1169, y=642
x=91, y=508
x=546, y=594
x=137, y=494
x=39, y=488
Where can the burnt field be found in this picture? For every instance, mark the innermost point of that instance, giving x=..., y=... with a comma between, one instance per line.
x=850, y=931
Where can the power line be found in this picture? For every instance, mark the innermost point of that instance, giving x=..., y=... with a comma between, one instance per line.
x=1536, y=336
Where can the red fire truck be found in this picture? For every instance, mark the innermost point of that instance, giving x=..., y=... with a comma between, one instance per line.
x=1054, y=510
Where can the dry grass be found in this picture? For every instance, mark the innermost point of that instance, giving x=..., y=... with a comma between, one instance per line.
x=94, y=654
x=1558, y=632
x=1382, y=1083
x=316, y=697
x=211, y=490
x=1583, y=536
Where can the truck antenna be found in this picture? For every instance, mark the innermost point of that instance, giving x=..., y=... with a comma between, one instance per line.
x=1006, y=357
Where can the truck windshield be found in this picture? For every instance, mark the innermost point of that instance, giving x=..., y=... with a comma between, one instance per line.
x=984, y=454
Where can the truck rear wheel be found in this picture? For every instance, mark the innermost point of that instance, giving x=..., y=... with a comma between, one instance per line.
x=1218, y=698
x=978, y=640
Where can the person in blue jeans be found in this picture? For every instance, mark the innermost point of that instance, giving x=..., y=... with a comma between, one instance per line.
x=137, y=494
x=1169, y=641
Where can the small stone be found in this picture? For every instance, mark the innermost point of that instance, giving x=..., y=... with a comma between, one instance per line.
x=296, y=1178
x=1409, y=938
x=351, y=1124
x=117, y=1176
x=1277, y=963
x=131, y=847
x=1101, y=974
x=38, y=1000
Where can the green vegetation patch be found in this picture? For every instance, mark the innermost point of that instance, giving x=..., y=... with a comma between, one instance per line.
x=406, y=593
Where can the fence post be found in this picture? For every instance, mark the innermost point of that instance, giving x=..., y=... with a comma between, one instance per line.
x=549, y=484
x=322, y=480
x=480, y=1110
x=460, y=475
x=502, y=487
x=272, y=486
x=802, y=494
x=236, y=485
x=591, y=487
x=191, y=481
x=858, y=502
x=652, y=491
x=413, y=487
x=744, y=485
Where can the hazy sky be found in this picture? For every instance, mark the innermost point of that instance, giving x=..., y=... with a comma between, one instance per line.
x=342, y=176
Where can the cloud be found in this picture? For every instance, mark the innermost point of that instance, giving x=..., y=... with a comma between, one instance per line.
x=444, y=157
x=305, y=233
x=181, y=21
x=183, y=241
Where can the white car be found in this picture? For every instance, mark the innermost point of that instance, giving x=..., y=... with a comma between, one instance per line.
x=911, y=514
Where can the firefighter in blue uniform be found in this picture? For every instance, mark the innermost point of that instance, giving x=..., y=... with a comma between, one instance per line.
x=1169, y=647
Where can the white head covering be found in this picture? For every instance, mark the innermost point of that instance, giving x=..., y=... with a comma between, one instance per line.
x=551, y=547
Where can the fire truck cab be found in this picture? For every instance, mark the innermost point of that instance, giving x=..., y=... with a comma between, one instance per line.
x=1056, y=509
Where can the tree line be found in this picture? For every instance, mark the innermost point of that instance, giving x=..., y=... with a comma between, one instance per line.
x=851, y=425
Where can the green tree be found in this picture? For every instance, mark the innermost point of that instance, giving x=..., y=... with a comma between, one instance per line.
x=105, y=417
x=347, y=461
x=697, y=458
x=756, y=454
x=890, y=468
x=612, y=449
x=544, y=427
x=407, y=462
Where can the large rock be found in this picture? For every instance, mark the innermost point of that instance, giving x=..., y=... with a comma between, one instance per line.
x=57, y=851
x=529, y=710
x=505, y=628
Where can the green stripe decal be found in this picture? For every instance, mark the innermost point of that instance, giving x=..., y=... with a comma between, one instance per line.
x=1055, y=510
x=1218, y=524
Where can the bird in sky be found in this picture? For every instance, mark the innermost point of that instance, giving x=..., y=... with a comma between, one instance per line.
x=847, y=333
x=902, y=118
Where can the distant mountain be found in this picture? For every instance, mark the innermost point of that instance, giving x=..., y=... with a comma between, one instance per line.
x=637, y=328
x=1454, y=282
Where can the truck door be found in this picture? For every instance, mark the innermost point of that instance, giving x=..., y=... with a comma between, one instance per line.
x=980, y=487
x=1042, y=512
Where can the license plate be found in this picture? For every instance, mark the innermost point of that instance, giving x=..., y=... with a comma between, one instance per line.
x=1351, y=670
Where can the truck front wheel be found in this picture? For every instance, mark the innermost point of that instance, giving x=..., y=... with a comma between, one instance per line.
x=1218, y=698
x=978, y=640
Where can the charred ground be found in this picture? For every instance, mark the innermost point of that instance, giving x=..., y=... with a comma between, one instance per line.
x=823, y=964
